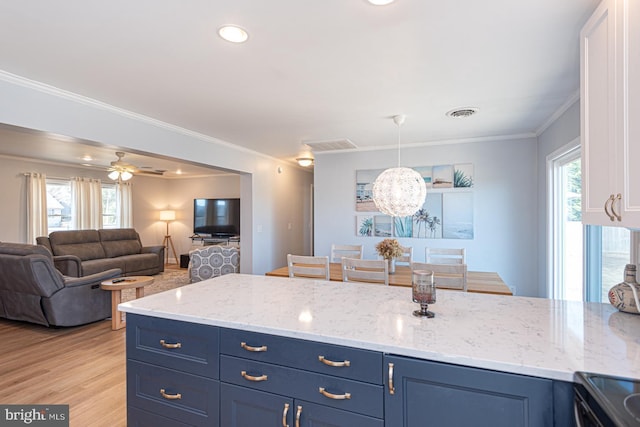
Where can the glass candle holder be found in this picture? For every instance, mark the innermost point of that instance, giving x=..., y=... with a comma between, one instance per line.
x=423, y=291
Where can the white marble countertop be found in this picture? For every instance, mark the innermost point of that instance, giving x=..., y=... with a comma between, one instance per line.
x=530, y=336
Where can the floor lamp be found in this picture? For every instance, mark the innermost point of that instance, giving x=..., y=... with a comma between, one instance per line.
x=168, y=216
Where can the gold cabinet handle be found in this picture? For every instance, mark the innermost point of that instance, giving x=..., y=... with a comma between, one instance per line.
x=328, y=362
x=606, y=207
x=298, y=414
x=284, y=415
x=252, y=378
x=167, y=345
x=392, y=389
x=254, y=349
x=325, y=393
x=170, y=396
x=613, y=209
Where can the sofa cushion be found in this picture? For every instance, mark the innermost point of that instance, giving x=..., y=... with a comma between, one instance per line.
x=139, y=262
x=24, y=249
x=119, y=242
x=85, y=244
x=99, y=265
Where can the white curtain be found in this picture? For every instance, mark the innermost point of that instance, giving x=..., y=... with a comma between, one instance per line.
x=124, y=202
x=36, y=206
x=86, y=203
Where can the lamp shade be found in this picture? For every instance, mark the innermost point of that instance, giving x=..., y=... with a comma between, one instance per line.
x=114, y=175
x=399, y=191
x=167, y=215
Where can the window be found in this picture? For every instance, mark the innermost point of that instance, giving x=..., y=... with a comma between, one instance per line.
x=584, y=261
x=566, y=224
x=109, y=206
x=59, y=212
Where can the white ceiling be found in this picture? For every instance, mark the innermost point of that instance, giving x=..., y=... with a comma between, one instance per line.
x=311, y=70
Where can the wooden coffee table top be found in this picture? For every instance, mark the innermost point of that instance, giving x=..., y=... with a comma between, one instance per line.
x=128, y=283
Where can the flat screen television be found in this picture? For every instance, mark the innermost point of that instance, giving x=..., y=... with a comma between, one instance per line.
x=216, y=217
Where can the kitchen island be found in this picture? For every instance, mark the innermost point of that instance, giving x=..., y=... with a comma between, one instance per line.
x=487, y=339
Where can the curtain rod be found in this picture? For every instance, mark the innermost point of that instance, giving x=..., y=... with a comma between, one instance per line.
x=61, y=178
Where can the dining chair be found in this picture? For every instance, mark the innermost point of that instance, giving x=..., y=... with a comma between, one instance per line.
x=449, y=276
x=445, y=256
x=407, y=255
x=365, y=270
x=315, y=267
x=349, y=251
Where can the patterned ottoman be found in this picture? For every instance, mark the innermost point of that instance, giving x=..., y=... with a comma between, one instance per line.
x=213, y=261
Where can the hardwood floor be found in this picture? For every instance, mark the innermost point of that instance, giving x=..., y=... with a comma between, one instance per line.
x=82, y=366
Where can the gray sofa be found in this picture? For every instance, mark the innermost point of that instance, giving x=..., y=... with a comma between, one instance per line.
x=82, y=252
x=33, y=290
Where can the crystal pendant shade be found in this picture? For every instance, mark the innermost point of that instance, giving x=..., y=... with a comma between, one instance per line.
x=399, y=191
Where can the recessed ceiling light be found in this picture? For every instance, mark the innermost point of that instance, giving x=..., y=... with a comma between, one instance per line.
x=380, y=2
x=233, y=34
x=462, y=112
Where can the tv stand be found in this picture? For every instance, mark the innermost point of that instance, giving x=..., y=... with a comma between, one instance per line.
x=215, y=240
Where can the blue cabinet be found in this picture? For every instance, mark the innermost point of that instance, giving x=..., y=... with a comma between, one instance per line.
x=268, y=380
x=185, y=374
x=172, y=373
x=420, y=393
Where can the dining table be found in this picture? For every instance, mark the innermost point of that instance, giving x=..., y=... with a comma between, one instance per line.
x=483, y=282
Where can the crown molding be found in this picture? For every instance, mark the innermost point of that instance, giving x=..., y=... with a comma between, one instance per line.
x=60, y=93
x=573, y=98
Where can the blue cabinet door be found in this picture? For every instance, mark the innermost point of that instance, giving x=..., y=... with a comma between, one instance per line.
x=243, y=407
x=420, y=393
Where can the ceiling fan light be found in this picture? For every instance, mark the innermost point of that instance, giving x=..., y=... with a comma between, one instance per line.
x=126, y=175
x=114, y=175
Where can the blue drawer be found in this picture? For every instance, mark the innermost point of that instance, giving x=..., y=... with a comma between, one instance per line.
x=189, y=347
x=139, y=418
x=363, y=365
x=365, y=398
x=191, y=399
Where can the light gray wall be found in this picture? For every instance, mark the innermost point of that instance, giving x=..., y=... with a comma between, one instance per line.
x=563, y=131
x=505, y=215
x=266, y=234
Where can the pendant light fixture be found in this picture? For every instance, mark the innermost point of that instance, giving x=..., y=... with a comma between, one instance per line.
x=399, y=191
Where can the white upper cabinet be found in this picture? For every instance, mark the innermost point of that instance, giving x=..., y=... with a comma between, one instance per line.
x=610, y=114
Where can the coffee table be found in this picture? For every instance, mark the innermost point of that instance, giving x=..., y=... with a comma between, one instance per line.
x=130, y=282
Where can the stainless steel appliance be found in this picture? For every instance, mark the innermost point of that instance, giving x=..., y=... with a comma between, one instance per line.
x=606, y=401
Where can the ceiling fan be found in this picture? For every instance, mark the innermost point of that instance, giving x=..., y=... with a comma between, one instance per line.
x=121, y=170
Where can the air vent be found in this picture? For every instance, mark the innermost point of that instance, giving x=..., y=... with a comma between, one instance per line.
x=330, y=145
x=462, y=112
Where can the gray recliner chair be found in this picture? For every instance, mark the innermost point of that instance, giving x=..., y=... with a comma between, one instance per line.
x=32, y=290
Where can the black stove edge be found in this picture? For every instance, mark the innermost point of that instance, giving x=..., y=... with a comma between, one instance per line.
x=582, y=378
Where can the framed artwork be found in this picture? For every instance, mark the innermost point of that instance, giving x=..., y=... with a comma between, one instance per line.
x=447, y=212
x=457, y=210
x=427, y=222
x=364, y=189
x=382, y=226
x=364, y=225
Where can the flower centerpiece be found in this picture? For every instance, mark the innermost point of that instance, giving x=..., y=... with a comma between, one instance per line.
x=389, y=249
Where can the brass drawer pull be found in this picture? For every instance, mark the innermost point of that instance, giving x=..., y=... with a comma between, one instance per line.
x=252, y=378
x=392, y=389
x=298, y=414
x=346, y=363
x=170, y=396
x=254, y=349
x=606, y=208
x=165, y=345
x=284, y=415
x=334, y=396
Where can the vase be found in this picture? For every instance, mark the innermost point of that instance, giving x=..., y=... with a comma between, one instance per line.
x=392, y=265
